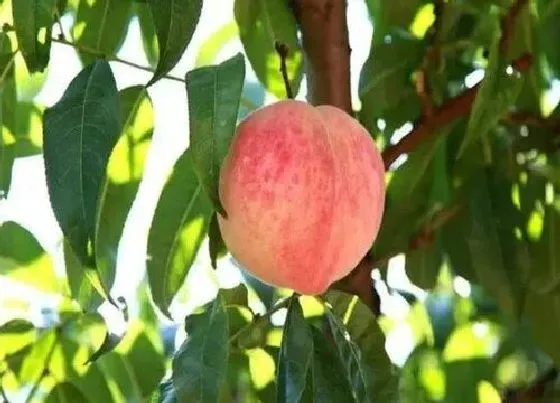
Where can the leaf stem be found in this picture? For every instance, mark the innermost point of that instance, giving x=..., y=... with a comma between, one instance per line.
x=283, y=50
x=94, y=52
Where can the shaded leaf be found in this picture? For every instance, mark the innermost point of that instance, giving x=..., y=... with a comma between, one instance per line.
x=214, y=93
x=66, y=392
x=423, y=264
x=79, y=133
x=111, y=341
x=498, y=91
x=7, y=102
x=81, y=281
x=385, y=82
x=295, y=356
x=542, y=311
x=200, y=365
x=178, y=228
x=216, y=243
x=165, y=393
x=124, y=171
x=324, y=383
x=363, y=356
x=33, y=20
x=235, y=296
x=15, y=336
x=148, y=31
x=102, y=25
x=175, y=23
x=262, y=24
x=18, y=244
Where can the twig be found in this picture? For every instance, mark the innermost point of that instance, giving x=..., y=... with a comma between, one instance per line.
x=452, y=109
x=244, y=101
x=508, y=22
x=282, y=50
x=431, y=57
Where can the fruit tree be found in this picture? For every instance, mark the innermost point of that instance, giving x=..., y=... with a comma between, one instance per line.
x=279, y=200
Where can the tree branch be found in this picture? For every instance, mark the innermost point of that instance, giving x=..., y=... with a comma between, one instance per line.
x=453, y=109
x=327, y=51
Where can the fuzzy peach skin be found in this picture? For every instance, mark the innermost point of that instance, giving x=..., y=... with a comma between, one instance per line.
x=304, y=191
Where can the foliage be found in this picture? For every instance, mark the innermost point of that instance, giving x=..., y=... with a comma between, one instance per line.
x=472, y=210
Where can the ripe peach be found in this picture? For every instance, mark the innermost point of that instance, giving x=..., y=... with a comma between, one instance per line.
x=303, y=188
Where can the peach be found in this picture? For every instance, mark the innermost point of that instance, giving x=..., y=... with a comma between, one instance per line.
x=304, y=192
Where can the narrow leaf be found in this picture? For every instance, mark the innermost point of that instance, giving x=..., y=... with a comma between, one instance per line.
x=66, y=392
x=262, y=24
x=423, y=264
x=178, y=228
x=212, y=46
x=294, y=358
x=18, y=244
x=33, y=20
x=324, y=382
x=124, y=172
x=175, y=23
x=363, y=356
x=79, y=133
x=200, y=365
x=7, y=102
x=498, y=91
x=215, y=241
x=214, y=93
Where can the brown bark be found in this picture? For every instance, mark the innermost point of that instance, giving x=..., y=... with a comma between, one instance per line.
x=327, y=51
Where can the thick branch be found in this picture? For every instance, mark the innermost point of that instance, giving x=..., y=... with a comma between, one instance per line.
x=327, y=51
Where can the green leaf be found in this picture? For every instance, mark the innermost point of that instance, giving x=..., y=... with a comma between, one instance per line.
x=33, y=20
x=178, y=228
x=148, y=31
x=101, y=26
x=142, y=343
x=109, y=344
x=235, y=296
x=82, y=281
x=542, y=311
x=216, y=243
x=545, y=254
x=214, y=93
x=7, y=102
x=324, y=383
x=79, y=133
x=385, y=82
x=165, y=393
x=463, y=378
x=120, y=371
x=66, y=392
x=295, y=355
x=15, y=336
x=486, y=253
x=366, y=363
x=175, y=23
x=125, y=170
x=211, y=47
x=18, y=244
x=423, y=264
x=23, y=259
x=498, y=91
x=262, y=24
x=392, y=14
x=200, y=365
